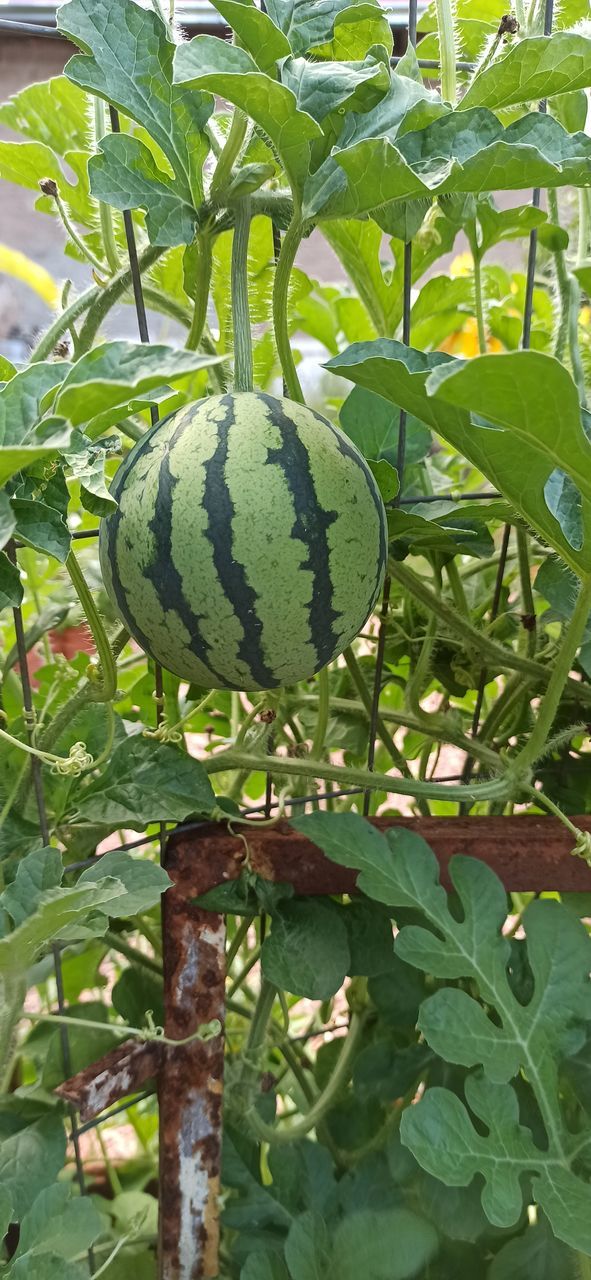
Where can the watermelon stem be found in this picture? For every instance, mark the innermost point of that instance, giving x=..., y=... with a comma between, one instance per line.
x=202, y=283
x=290, y=245
x=494, y=789
x=322, y=715
x=243, y=376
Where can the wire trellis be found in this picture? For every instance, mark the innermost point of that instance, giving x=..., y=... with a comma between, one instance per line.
x=270, y=805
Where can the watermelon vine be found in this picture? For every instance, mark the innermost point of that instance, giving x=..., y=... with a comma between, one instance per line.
x=295, y=432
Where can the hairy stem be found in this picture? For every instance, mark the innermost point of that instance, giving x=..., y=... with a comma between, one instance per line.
x=231, y=759
x=99, y=635
x=309, y=1121
x=243, y=376
x=105, y=210
x=571, y=641
x=386, y=738
x=289, y=247
x=230, y=152
x=323, y=714
x=107, y=298
x=202, y=284
x=447, y=49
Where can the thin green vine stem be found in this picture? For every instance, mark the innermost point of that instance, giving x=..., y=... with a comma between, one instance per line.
x=243, y=372
x=447, y=49
x=289, y=247
x=405, y=720
x=229, y=760
x=310, y=1120
x=112, y=293
x=420, y=675
x=76, y=239
x=238, y=939
x=478, y=292
x=99, y=635
x=105, y=210
x=571, y=641
x=63, y=322
x=584, y=236
x=488, y=649
x=386, y=738
x=141, y=1033
x=562, y=283
x=323, y=685
x=119, y=944
x=457, y=587
x=527, y=595
x=202, y=282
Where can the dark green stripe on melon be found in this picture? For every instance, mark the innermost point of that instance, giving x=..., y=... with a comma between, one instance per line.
x=250, y=542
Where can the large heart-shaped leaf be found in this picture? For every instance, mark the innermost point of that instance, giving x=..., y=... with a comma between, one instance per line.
x=555, y=439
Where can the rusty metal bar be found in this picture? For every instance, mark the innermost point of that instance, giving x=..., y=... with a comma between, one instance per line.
x=118, y=1073
x=529, y=853
x=190, y=1082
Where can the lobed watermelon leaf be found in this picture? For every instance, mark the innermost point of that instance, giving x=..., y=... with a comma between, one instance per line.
x=529, y=1037
x=127, y=60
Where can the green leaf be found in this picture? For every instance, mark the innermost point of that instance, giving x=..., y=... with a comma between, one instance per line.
x=373, y=425
x=99, y=387
x=528, y=1038
x=126, y=176
x=308, y=1248
x=135, y=993
x=6, y=1211
x=307, y=951
x=86, y=461
x=30, y=1160
x=7, y=370
x=257, y=33
x=405, y=376
x=310, y=23
x=25, y=163
x=22, y=441
x=146, y=781
x=59, y=1223
x=143, y=882
x=563, y=500
x=505, y=224
x=358, y=245
x=391, y=1244
x=535, y=67
x=39, y=871
x=11, y=587
x=128, y=60
x=322, y=87
x=45, y=1267
x=55, y=911
x=42, y=527
x=386, y=478
x=211, y=63
x=264, y=1266
x=534, y=1255
x=7, y=520
x=54, y=112
x=459, y=152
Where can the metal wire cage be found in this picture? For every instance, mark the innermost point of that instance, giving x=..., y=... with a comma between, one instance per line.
x=200, y=1262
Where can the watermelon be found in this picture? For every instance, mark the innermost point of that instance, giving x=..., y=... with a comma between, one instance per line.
x=249, y=543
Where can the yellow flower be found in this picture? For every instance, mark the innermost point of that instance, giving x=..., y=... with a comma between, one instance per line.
x=462, y=265
x=17, y=265
x=464, y=342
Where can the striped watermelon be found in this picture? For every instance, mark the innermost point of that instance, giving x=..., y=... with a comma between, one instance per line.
x=249, y=544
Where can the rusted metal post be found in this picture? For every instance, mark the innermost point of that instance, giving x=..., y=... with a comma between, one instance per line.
x=190, y=1080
